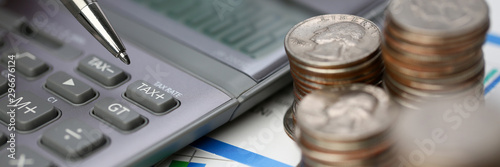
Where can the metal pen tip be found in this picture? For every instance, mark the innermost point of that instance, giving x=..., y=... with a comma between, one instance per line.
x=124, y=58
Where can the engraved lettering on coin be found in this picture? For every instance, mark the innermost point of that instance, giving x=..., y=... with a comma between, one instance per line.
x=333, y=41
x=325, y=19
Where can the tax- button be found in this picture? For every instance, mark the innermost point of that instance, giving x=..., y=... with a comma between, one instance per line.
x=118, y=114
x=28, y=110
x=73, y=138
x=150, y=97
x=101, y=71
x=70, y=88
x=26, y=63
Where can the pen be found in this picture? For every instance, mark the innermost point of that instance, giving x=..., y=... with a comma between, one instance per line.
x=90, y=15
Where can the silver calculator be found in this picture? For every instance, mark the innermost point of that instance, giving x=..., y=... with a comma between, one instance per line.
x=195, y=66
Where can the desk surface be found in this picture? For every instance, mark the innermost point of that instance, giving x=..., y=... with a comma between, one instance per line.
x=257, y=138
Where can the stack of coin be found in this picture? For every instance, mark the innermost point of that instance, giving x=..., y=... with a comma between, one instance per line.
x=346, y=126
x=433, y=50
x=329, y=51
x=333, y=50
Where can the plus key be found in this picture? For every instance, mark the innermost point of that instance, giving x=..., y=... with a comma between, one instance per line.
x=150, y=97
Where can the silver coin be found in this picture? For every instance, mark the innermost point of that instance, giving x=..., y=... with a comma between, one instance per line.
x=332, y=40
x=332, y=72
x=439, y=17
x=347, y=113
x=365, y=157
x=289, y=122
x=346, y=147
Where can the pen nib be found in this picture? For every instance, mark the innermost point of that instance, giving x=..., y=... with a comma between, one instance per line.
x=124, y=58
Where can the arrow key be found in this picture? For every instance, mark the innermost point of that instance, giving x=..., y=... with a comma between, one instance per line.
x=27, y=63
x=70, y=88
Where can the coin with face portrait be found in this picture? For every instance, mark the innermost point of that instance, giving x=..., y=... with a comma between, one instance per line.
x=332, y=40
x=347, y=113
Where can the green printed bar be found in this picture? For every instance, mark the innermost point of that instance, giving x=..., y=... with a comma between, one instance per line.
x=490, y=75
x=175, y=163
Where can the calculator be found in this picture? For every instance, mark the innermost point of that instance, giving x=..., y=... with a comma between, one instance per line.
x=195, y=65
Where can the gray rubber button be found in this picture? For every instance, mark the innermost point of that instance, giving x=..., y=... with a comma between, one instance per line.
x=25, y=157
x=27, y=64
x=118, y=114
x=29, y=110
x=70, y=88
x=3, y=85
x=150, y=97
x=101, y=71
x=73, y=138
x=3, y=139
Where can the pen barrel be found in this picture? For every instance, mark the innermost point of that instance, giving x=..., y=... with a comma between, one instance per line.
x=90, y=15
x=75, y=6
